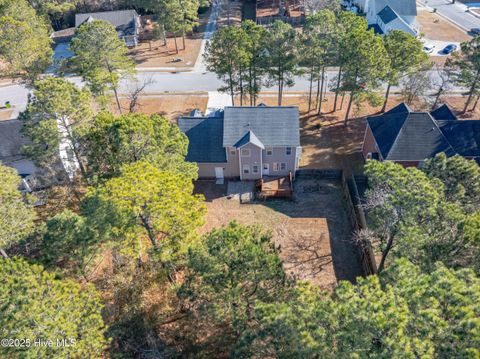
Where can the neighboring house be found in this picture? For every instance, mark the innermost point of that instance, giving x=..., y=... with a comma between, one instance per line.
x=244, y=142
x=11, y=143
x=387, y=15
x=408, y=137
x=126, y=22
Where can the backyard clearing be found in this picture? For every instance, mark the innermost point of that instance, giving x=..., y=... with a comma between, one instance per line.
x=312, y=231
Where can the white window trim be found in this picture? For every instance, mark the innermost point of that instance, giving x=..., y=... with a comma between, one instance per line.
x=269, y=149
x=275, y=167
x=245, y=149
x=253, y=169
x=283, y=164
x=286, y=151
x=247, y=167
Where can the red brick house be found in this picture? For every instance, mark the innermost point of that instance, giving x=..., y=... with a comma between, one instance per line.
x=408, y=137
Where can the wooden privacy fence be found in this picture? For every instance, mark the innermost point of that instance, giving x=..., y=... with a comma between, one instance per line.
x=267, y=20
x=359, y=222
x=355, y=212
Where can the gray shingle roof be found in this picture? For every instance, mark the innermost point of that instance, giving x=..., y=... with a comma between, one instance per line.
x=205, y=139
x=387, y=15
x=274, y=126
x=249, y=138
x=401, y=7
x=123, y=20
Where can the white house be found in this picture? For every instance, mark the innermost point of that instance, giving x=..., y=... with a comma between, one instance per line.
x=388, y=15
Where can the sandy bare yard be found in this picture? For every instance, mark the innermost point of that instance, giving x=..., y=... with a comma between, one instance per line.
x=312, y=230
x=154, y=54
x=435, y=27
x=170, y=105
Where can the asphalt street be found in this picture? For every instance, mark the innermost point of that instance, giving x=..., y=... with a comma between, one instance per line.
x=457, y=13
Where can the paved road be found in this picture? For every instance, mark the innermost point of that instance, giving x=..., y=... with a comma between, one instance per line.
x=181, y=82
x=454, y=12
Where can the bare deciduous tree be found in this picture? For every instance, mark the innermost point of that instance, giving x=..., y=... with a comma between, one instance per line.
x=416, y=85
x=314, y=6
x=442, y=83
x=137, y=89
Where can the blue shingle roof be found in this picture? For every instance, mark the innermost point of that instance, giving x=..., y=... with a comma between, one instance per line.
x=463, y=135
x=387, y=15
x=205, y=136
x=249, y=138
x=443, y=113
x=403, y=135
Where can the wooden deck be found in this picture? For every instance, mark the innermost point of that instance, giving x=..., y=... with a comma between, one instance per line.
x=280, y=187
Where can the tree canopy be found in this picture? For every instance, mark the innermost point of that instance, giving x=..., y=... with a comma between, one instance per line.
x=36, y=305
x=16, y=213
x=411, y=217
x=25, y=45
x=230, y=270
x=58, y=113
x=145, y=200
x=115, y=141
x=100, y=57
x=405, y=313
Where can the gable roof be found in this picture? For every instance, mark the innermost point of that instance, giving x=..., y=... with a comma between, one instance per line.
x=419, y=138
x=443, y=113
x=273, y=126
x=249, y=138
x=205, y=136
x=123, y=20
x=463, y=135
x=401, y=108
x=401, y=7
x=404, y=135
x=387, y=15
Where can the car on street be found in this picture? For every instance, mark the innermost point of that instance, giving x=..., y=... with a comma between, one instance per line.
x=428, y=48
x=449, y=49
x=475, y=31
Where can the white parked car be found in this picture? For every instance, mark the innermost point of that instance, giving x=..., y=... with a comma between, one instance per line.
x=428, y=48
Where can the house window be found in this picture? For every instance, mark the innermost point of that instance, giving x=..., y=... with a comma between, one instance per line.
x=246, y=169
x=275, y=166
x=233, y=151
x=245, y=152
x=283, y=166
x=255, y=168
x=269, y=151
x=288, y=151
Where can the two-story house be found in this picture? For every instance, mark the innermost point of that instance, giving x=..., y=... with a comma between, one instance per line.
x=244, y=142
x=388, y=15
